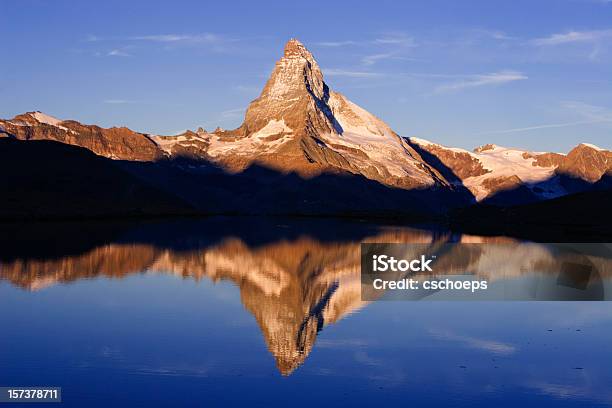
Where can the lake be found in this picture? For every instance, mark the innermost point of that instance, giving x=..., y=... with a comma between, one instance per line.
x=268, y=311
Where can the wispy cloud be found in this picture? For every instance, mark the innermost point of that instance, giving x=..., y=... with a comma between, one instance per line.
x=335, y=43
x=537, y=127
x=173, y=38
x=374, y=58
x=247, y=88
x=591, y=114
x=215, y=42
x=396, y=39
x=165, y=38
x=118, y=101
x=573, y=37
x=118, y=53
x=496, y=34
x=232, y=113
x=495, y=78
x=594, y=54
x=351, y=74
x=92, y=38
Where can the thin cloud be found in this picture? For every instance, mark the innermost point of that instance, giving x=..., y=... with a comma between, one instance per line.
x=589, y=112
x=246, y=88
x=232, y=113
x=495, y=78
x=173, y=38
x=592, y=114
x=594, y=54
x=369, y=60
x=118, y=101
x=335, y=43
x=484, y=33
x=351, y=74
x=396, y=39
x=573, y=37
x=497, y=35
x=118, y=53
x=537, y=127
x=373, y=59
x=214, y=42
x=202, y=38
x=92, y=38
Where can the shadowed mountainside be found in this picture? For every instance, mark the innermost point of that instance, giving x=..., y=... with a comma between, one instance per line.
x=45, y=179
x=52, y=180
x=73, y=183
x=577, y=217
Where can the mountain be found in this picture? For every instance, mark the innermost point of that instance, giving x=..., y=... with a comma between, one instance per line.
x=583, y=216
x=44, y=179
x=501, y=175
x=299, y=125
x=306, y=149
x=114, y=143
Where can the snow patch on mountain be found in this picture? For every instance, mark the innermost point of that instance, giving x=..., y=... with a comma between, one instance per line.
x=505, y=162
x=502, y=163
x=167, y=143
x=424, y=142
x=274, y=127
x=262, y=141
x=383, y=148
x=44, y=118
x=592, y=146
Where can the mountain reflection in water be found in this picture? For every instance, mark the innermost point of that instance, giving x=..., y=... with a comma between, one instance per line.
x=295, y=276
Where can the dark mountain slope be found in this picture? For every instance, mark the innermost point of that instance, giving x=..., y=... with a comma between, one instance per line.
x=584, y=216
x=45, y=179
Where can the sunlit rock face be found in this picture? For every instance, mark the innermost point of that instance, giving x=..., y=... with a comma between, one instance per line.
x=115, y=143
x=298, y=124
x=492, y=169
x=587, y=162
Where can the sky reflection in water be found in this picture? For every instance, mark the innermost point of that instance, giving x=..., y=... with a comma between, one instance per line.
x=268, y=313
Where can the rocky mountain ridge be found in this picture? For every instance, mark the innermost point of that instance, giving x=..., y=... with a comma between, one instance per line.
x=298, y=125
x=491, y=169
x=115, y=143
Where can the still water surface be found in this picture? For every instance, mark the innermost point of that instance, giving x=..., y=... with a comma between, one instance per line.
x=268, y=312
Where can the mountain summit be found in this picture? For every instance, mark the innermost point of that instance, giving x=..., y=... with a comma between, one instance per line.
x=299, y=124
x=294, y=93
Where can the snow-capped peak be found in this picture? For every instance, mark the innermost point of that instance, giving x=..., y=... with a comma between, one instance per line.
x=592, y=146
x=44, y=118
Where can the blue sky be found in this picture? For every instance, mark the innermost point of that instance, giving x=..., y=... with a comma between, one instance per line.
x=533, y=74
